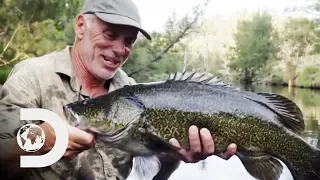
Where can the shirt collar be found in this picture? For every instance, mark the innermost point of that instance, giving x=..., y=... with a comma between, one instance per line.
x=63, y=65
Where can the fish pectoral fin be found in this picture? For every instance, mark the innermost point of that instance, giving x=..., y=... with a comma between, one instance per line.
x=262, y=167
x=146, y=167
x=161, y=146
x=112, y=138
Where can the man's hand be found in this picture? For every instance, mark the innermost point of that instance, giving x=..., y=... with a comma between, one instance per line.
x=196, y=153
x=78, y=141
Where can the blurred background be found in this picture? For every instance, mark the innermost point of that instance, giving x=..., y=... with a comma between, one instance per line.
x=257, y=45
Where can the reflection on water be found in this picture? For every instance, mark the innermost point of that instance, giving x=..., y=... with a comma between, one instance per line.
x=309, y=102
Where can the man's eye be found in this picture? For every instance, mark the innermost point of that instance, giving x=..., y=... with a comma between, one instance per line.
x=129, y=41
x=111, y=35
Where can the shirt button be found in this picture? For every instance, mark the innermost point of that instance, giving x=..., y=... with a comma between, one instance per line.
x=109, y=173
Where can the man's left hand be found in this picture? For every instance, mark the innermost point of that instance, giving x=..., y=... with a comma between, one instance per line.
x=196, y=153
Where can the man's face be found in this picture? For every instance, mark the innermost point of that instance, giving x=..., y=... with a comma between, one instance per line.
x=106, y=47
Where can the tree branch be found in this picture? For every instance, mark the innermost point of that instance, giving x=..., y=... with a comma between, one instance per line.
x=1, y=36
x=5, y=63
x=177, y=39
x=160, y=55
x=10, y=41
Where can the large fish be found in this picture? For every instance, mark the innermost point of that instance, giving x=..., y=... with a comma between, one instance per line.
x=141, y=119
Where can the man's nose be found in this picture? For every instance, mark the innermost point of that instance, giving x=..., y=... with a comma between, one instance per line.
x=119, y=47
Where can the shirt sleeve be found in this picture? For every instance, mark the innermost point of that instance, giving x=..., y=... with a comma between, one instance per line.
x=21, y=90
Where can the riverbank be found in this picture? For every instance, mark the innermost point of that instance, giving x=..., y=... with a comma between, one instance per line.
x=307, y=77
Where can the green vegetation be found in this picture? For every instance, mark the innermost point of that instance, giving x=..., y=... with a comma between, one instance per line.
x=4, y=72
x=252, y=48
x=309, y=77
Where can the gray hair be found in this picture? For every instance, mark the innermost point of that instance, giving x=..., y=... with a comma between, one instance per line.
x=88, y=19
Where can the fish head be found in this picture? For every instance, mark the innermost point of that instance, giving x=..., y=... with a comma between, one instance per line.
x=105, y=116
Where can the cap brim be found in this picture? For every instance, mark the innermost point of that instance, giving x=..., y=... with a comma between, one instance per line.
x=117, y=19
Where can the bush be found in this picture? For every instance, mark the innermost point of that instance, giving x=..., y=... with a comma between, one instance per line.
x=309, y=77
x=276, y=80
x=4, y=72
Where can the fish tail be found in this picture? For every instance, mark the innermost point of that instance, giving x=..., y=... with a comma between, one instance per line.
x=312, y=169
x=314, y=172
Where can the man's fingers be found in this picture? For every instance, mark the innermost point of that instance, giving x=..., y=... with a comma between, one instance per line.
x=231, y=150
x=195, y=143
x=81, y=137
x=175, y=143
x=69, y=155
x=207, y=142
x=200, y=149
x=73, y=146
x=183, y=152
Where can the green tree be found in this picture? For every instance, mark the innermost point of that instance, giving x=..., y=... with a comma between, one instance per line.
x=298, y=36
x=254, y=46
x=142, y=64
x=34, y=27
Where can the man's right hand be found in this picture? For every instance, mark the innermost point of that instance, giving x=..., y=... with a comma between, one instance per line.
x=79, y=141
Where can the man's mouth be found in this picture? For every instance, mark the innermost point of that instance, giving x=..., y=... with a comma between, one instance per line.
x=111, y=62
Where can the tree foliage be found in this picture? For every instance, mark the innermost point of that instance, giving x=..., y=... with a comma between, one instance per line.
x=254, y=46
x=34, y=27
x=257, y=47
x=164, y=55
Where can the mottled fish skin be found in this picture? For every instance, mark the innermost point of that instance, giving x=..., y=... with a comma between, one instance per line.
x=142, y=118
x=231, y=118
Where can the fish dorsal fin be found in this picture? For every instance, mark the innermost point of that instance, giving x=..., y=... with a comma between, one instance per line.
x=198, y=77
x=290, y=114
x=261, y=166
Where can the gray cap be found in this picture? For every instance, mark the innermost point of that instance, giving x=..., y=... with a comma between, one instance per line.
x=123, y=12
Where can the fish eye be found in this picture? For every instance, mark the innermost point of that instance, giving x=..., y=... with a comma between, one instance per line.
x=84, y=102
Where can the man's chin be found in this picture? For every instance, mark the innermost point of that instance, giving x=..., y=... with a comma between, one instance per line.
x=107, y=74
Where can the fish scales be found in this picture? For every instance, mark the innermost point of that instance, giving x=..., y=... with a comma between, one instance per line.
x=142, y=118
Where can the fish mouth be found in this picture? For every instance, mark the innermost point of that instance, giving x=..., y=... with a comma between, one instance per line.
x=74, y=118
x=77, y=120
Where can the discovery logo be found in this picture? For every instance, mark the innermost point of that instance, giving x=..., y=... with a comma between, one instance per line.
x=23, y=137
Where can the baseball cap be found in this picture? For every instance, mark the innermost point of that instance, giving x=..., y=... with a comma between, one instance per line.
x=123, y=12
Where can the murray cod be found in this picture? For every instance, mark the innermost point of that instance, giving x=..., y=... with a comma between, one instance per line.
x=140, y=119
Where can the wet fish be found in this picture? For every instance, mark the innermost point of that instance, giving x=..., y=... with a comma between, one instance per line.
x=141, y=119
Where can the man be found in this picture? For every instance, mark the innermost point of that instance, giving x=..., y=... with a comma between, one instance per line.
x=105, y=34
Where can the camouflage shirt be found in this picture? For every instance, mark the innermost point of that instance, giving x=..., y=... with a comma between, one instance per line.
x=49, y=82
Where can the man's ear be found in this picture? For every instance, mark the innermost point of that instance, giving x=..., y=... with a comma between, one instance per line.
x=80, y=26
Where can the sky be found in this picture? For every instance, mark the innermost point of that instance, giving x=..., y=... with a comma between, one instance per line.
x=155, y=13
